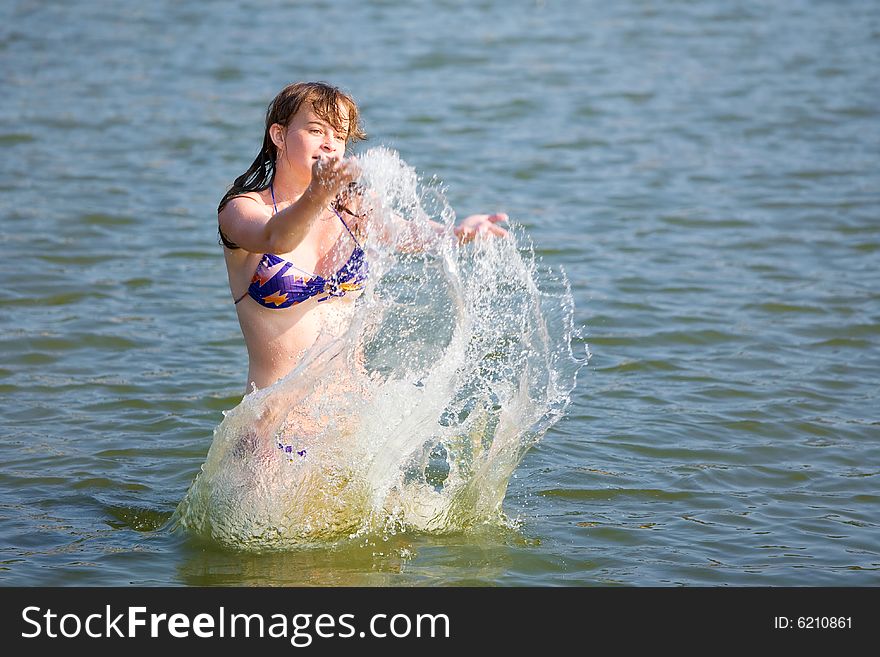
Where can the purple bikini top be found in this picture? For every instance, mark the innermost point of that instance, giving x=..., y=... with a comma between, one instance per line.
x=278, y=283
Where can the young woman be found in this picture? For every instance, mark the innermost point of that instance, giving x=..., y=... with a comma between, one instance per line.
x=290, y=464
x=292, y=234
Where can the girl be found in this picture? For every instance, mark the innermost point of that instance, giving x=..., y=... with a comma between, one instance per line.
x=293, y=231
x=293, y=243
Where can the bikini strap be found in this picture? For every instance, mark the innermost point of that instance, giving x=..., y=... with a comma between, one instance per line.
x=336, y=212
x=275, y=206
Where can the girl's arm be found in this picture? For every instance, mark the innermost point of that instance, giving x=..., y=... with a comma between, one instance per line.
x=245, y=223
x=420, y=237
x=244, y=220
x=411, y=236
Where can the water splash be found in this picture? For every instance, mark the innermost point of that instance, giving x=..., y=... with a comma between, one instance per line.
x=416, y=403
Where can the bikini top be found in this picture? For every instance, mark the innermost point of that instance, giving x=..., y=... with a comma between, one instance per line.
x=278, y=283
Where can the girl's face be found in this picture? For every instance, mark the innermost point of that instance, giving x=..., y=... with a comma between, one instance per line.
x=305, y=139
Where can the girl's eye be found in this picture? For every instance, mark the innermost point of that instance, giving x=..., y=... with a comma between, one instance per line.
x=315, y=131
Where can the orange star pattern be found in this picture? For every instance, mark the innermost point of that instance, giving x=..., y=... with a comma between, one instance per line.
x=276, y=298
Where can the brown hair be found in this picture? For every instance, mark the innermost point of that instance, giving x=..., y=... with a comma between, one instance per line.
x=326, y=101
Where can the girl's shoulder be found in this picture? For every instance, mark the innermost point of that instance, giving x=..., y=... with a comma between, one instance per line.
x=260, y=198
x=247, y=204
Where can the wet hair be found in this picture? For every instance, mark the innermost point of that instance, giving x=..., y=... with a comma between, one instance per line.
x=326, y=101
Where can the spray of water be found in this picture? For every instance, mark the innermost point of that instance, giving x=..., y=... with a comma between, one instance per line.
x=416, y=403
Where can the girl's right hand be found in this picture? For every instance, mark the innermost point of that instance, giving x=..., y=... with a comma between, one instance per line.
x=330, y=176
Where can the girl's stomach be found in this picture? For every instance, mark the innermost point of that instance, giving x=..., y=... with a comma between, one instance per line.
x=277, y=340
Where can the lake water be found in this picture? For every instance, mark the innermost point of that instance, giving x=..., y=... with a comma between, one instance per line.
x=706, y=173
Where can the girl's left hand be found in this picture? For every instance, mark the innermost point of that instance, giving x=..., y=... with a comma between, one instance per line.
x=480, y=225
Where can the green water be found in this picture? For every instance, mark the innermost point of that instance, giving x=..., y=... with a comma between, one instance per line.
x=707, y=176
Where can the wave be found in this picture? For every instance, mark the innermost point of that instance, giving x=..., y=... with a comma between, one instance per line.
x=415, y=405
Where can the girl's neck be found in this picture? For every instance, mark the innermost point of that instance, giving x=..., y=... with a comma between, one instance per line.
x=286, y=187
